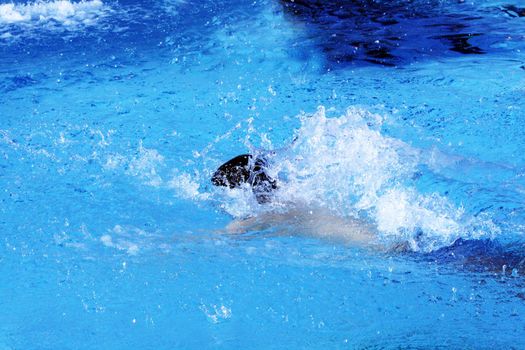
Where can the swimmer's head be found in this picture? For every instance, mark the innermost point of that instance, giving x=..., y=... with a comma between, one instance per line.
x=246, y=169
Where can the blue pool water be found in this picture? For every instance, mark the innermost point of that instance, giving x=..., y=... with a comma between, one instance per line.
x=405, y=115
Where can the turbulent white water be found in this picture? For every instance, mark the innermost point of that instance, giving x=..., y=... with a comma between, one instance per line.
x=63, y=12
x=346, y=165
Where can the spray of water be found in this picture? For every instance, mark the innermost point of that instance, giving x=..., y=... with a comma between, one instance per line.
x=63, y=11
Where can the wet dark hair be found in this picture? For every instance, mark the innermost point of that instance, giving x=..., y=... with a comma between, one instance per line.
x=246, y=169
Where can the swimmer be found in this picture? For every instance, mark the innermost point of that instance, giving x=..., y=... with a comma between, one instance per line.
x=249, y=170
x=246, y=169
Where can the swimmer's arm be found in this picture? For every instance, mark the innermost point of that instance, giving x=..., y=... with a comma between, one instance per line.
x=240, y=226
x=261, y=222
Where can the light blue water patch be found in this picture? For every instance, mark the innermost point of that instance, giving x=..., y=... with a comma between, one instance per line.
x=403, y=115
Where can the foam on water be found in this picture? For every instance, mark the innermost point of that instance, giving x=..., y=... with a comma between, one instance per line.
x=145, y=165
x=348, y=166
x=63, y=12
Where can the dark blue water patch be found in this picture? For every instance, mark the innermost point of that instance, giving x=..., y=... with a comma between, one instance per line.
x=394, y=33
x=389, y=33
x=514, y=11
x=460, y=43
x=483, y=256
x=15, y=82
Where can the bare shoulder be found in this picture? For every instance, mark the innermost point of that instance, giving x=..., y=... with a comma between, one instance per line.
x=304, y=221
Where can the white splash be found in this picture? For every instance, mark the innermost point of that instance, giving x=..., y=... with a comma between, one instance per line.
x=426, y=222
x=64, y=12
x=216, y=313
x=186, y=187
x=145, y=166
x=344, y=162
